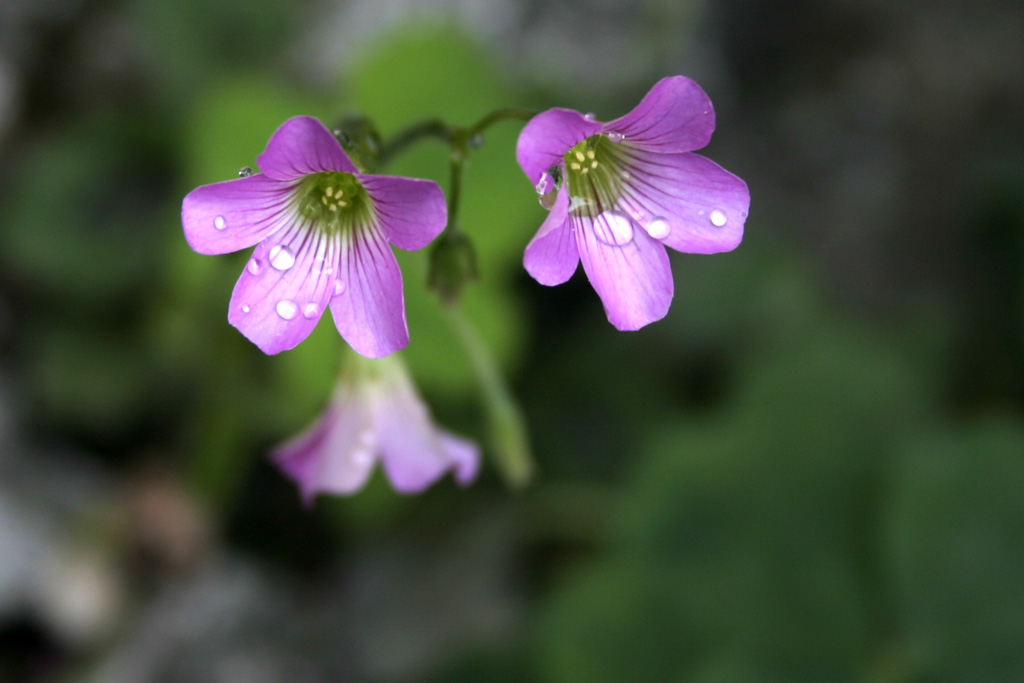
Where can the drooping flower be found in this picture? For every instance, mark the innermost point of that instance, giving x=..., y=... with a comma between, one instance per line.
x=323, y=231
x=376, y=413
x=619, y=192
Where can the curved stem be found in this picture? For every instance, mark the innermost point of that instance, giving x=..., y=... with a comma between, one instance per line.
x=507, y=113
x=508, y=433
x=431, y=128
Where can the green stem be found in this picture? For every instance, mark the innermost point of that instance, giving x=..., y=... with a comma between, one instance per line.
x=507, y=427
x=454, y=194
x=453, y=262
x=431, y=128
x=504, y=114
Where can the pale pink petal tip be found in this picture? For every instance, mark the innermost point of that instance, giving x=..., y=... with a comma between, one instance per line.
x=376, y=415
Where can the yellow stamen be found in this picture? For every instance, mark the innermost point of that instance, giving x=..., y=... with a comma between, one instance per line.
x=330, y=191
x=579, y=155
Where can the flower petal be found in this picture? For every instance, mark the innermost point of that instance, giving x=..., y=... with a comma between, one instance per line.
x=302, y=146
x=284, y=287
x=548, y=136
x=705, y=205
x=369, y=309
x=551, y=256
x=634, y=280
x=674, y=116
x=410, y=212
x=412, y=451
x=331, y=456
x=235, y=214
x=463, y=454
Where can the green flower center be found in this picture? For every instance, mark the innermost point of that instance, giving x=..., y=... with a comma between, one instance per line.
x=335, y=200
x=594, y=173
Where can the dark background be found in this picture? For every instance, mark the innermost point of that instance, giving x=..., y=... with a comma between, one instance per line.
x=810, y=470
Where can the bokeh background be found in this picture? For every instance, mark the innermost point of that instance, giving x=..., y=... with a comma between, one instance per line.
x=811, y=470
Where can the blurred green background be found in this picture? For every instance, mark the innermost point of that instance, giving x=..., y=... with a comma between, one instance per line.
x=811, y=470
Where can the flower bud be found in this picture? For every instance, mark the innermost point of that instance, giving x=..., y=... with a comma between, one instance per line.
x=452, y=266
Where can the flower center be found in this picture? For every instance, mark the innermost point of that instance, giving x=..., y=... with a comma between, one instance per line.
x=334, y=200
x=593, y=171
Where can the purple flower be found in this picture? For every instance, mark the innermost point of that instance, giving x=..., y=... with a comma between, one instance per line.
x=376, y=413
x=323, y=230
x=619, y=192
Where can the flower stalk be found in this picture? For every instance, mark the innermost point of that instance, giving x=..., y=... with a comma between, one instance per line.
x=506, y=425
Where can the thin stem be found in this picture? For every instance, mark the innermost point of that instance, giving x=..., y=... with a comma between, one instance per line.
x=507, y=426
x=454, y=194
x=513, y=113
x=431, y=128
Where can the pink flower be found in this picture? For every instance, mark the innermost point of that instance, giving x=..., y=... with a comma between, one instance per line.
x=376, y=414
x=619, y=192
x=323, y=231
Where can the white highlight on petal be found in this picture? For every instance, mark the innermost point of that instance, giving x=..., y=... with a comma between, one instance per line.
x=245, y=308
x=287, y=309
x=545, y=184
x=219, y=223
x=614, y=228
x=616, y=137
x=281, y=257
x=310, y=311
x=546, y=190
x=718, y=218
x=339, y=287
x=362, y=456
x=658, y=228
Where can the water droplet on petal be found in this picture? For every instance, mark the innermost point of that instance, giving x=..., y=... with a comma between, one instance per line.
x=743, y=214
x=616, y=137
x=658, y=228
x=626, y=176
x=255, y=266
x=614, y=228
x=339, y=287
x=310, y=311
x=590, y=116
x=545, y=183
x=548, y=200
x=718, y=218
x=244, y=172
x=281, y=257
x=287, y=309
x=245, y=308
x=219, y=223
